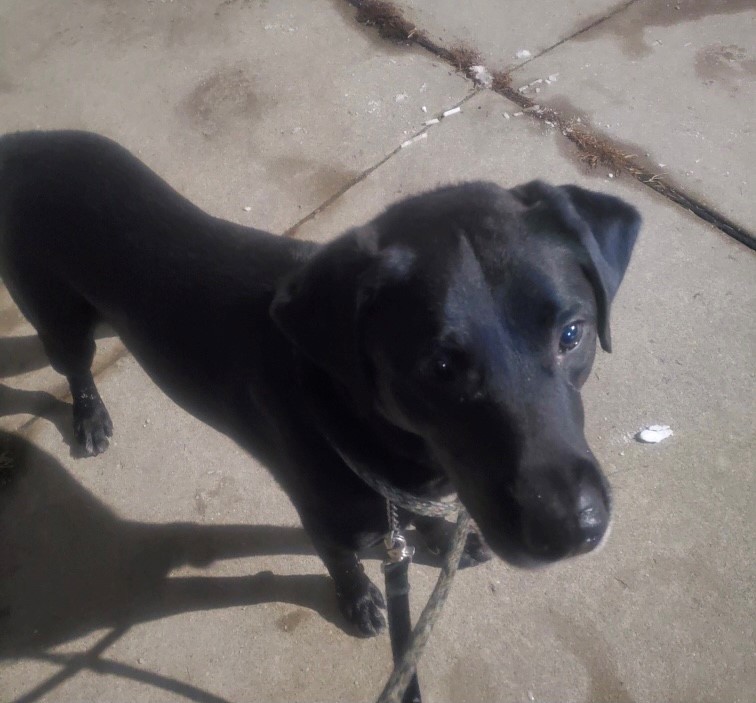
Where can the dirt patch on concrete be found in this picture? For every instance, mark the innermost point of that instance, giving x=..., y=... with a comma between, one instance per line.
x=220, y=99
x=291, y=621
x=726, y=65
x=630, y=28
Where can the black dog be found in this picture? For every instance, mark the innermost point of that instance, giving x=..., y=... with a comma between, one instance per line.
x=443, y=344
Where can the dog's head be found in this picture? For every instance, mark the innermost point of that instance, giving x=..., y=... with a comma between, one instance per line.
x=468, y=317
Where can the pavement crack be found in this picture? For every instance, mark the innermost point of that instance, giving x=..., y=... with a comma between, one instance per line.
x=580, y=31
x=594, y=147
x=293, y=230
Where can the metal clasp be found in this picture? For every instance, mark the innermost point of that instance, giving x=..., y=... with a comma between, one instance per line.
x=397, y=549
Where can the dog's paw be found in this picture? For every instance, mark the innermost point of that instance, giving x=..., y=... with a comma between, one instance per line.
x=92, y=427
x=362, y=608
x=476, y=551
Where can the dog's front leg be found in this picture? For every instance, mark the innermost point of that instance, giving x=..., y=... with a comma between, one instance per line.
x=359, y=598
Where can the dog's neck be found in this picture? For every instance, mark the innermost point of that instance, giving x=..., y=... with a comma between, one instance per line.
x=367, y=439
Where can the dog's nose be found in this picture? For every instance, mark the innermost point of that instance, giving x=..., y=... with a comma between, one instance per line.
x=567, y=525
x=592, y=519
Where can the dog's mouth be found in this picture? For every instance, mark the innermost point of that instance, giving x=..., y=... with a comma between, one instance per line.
x=534, y=533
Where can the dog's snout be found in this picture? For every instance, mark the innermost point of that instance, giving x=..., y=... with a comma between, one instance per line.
x=566, y=520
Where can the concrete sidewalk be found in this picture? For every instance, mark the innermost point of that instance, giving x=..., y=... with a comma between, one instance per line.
x=297, y=111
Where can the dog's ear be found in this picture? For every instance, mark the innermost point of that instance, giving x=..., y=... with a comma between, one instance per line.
x=605, y=226
x=319, y=307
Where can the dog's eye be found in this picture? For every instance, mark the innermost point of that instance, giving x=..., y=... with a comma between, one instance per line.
x=447, y=365
x=444, y=367
x=570, y=337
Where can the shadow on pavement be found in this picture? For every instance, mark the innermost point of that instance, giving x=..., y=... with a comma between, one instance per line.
x=14, y=401
x=19, y=355
x=70, y=566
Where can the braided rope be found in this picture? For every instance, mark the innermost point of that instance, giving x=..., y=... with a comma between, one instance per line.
x=419, y=506
x=403, y=670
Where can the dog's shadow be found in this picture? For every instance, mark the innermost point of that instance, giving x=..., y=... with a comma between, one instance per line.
x=20, y=355
x=14, y=401
x=70, y=566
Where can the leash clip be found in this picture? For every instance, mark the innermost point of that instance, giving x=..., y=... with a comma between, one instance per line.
x=397, y=549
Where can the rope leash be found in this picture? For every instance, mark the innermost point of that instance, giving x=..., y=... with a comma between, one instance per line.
x=402, y=686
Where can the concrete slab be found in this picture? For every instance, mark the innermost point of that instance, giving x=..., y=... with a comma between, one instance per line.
x=673, y=83
x=499, y=30
x=271, y=106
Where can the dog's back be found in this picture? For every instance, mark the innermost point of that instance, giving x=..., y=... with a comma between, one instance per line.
x=82, y=208
x=89, y=233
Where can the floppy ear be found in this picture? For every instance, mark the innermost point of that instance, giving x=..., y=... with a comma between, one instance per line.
x=605, y=226
x=319, y=307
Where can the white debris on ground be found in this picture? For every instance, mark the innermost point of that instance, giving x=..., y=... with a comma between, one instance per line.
x=400, y=98
x=523, y=54
x=534, y=85
x=419, y=137
x=281, y=27
x=653, y=434
x=430, y=122
x=247, y=208
x=482, y=76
